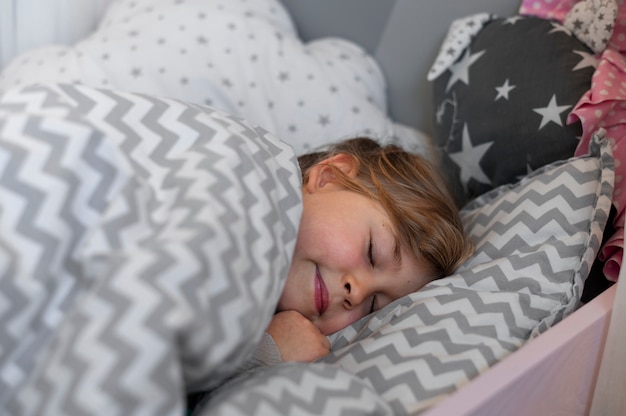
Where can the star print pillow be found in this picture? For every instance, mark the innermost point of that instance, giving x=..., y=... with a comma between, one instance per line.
x=240, y=56
x=501, y=107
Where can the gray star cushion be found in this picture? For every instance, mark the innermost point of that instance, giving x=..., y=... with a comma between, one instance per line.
x=501, y=108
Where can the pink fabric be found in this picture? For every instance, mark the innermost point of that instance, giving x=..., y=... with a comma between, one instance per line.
x=547, y=9
x=618, y=39
x=612, y=252
x=604, y=105
x=558, y=9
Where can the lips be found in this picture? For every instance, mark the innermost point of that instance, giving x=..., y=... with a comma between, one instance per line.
x=321, y=292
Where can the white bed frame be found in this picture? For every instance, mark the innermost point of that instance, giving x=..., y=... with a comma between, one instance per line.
x=554, y=374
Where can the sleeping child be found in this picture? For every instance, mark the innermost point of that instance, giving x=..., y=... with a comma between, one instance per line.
x=377, y=224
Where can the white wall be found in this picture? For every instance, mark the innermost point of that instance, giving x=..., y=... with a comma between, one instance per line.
x=25, y=24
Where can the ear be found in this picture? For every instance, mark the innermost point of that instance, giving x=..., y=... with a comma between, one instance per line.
x=322, y=174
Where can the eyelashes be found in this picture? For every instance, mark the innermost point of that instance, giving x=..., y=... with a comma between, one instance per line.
x=370, y=256
x=373, y=307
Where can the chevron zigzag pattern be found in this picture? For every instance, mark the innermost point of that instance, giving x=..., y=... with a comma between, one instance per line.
x=143, y=242
x=535, y=242
x=143, y=245
x=296, y=388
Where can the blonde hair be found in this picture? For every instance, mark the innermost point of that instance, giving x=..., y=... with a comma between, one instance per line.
x=413, y=194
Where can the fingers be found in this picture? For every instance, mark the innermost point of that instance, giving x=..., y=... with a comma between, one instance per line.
x=297, y=338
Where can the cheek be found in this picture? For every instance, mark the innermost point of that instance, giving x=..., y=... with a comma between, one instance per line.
x=321, y=244
x=295, y=286
x=285, y=300
x=325, y=233
x=395, y=291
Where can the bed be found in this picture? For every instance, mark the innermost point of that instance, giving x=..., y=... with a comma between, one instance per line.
x=150, y=199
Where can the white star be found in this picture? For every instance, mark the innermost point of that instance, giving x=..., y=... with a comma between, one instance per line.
x=588, y=61
x=503, y=91
x=551, y=113
x=468, y=159
x=512, y=20
x=559, y=28
x=460, y=70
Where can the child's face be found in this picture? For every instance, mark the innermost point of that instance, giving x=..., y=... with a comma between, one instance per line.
x=345, y=261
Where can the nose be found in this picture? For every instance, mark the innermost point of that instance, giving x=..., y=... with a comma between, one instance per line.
x=355, y=291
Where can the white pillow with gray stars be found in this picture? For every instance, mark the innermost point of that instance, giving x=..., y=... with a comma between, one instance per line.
x=241, y=56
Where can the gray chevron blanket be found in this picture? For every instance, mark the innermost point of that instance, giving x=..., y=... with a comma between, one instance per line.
x=143, y=245
x=144, y=242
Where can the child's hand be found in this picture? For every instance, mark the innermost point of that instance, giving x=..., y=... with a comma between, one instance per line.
x=297, y=338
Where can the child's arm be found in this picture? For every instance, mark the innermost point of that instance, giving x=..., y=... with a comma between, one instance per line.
x=297, y=338
x=289, y=337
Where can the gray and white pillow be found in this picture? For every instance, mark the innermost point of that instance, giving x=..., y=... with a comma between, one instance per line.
x=535, y=243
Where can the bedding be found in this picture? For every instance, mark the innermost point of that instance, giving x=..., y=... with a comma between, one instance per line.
x=535, y=243
x=603, y=103
x=503, y=97
x=126, y=281
x=239, y=56
x=135, y=274
x=143, y=245
x=488, y=97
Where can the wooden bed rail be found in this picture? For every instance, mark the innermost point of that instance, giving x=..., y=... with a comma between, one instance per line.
x=609, y=397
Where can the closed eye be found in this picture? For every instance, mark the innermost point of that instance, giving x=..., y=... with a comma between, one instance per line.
x=370, y=253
